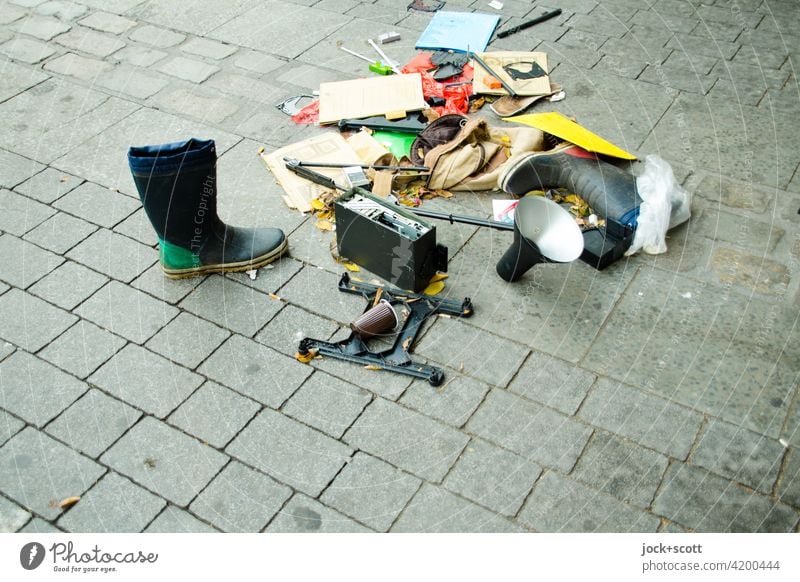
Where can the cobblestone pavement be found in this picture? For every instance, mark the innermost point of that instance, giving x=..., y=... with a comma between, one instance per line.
x=658, y=395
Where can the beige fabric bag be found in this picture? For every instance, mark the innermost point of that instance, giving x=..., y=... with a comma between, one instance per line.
x=474, y=158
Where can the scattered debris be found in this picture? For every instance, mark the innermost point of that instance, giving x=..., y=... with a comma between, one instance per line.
x=307, y=357
x=496, y=5
x=388, y=37
x=426, y=5
x=69, y=502
x=150, y=463
x=274, y=297
x=253, y=273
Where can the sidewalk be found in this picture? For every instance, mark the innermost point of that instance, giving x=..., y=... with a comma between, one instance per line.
x=660, y=394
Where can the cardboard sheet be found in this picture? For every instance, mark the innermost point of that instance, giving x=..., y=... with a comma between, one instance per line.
x=360, y=98
x=328, y=147
x=521, y=61
x=563, y=127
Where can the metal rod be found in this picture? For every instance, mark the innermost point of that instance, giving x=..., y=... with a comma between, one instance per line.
x=355, y=54
x=342, y=165
x=453, y=218
x=385, y=57
x=529, y=23
x=489, y=70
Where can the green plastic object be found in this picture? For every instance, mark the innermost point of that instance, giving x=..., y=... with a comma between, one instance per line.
x=397, y=143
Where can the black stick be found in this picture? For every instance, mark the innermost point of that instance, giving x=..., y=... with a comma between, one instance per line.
x=529, y=23
x=339, y=165
x=489, y=70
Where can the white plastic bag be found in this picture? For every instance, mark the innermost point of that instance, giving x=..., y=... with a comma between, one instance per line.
x=665, y=204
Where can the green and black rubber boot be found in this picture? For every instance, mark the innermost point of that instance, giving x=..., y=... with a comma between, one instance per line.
x=177, y=184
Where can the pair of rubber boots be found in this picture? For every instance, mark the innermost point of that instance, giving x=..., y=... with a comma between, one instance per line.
x=177, y=185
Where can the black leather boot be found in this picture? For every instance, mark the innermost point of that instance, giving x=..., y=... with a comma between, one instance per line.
x=610, y=191
x=177, y=187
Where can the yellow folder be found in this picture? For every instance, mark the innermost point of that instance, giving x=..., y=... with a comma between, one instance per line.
x=554, y=123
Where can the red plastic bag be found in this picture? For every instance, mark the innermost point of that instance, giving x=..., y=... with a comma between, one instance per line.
x=456, y=96
x=308, y=115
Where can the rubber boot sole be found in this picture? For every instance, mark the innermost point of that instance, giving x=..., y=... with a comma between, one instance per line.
x=254, y=263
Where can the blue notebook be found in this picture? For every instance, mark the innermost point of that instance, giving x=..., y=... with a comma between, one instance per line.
x=458, y=31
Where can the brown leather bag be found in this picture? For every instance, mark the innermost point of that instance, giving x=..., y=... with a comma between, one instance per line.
x=468, y=154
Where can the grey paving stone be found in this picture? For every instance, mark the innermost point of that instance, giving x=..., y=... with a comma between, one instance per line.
x=207, y=48
x=710, y=363
x=537, y=433
x=257, y=62
x=728, y=227
x=68, y=285
x=18, y=78
x=63, y=9
x=9, y=426
x=214, y=414
x=492, y=477
x=305, y=515
x=21, y=214
x=255, y=371
x=83, y=68
x=188, y=69
x=695, y=498
x=207, y=106
x=292, y=453
x=39, y=526
x=115, y=6
x=460, y=346
x=48, y=185
x=290, y=326
x=625, y=67
x=774, y=169
x=89, y=41
x=127, y=312
x=453, y=402
x=188, y=340
x=130, y=81
x=552, y=382
x=56, y=116
x=748, y=271
x=165, y=461
x=138, y=56
x=41, y=27
x=15, y=169
x=6, y=348
x=240, y=499
x=621, y=468
x=175, y=520
x=327, y=403
x=26, y=50
x=156, y=283
x=12, y=516
x=115, y=505
x=97, y=204
x=434, y=510
x=739, y=454
x=107, y=22
x=407, y=439
x=38, y=472
x=734, y=194
x=29, y=322
x=371, y=491
x=137, y=226
x=93, y=422
x=645, y=418
x=728, y=15
x=60, y=233
x=36, y=391
x=789, y=484
x=31, y=263
x=231, y=305
x=146, y=380
x=558, y=504
x=760, y=57
x=155, y=36
x=82, y=348
x=272, y=27
x=650, y=51
x=12, y=13
x=199, y=18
